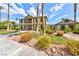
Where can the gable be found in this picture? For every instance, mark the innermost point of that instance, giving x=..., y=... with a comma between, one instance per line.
x=65, y=22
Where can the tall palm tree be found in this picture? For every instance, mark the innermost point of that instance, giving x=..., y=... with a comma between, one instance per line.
x=8, y=27
x=0, y=12
x=43, y=27
x=37, y=18
x=75, y=8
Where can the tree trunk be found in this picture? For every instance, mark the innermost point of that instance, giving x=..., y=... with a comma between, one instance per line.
x=75, y=7
x=8, y=27
x=37, y=18
x=43, y=27
x=0, y=12
x=0, y=15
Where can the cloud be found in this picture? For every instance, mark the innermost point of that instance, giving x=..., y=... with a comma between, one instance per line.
x=4, y=9
x=40, y=9
x=40, y=6
x=57, y=7
x=31, y=4
x=45, y=14
x=18, y=10
x=31, y=11
x=13, y=9
x=52, y=15
x=61, y=17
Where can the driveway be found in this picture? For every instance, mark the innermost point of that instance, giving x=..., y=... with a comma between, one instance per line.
x=12, y=48
x=71, y=36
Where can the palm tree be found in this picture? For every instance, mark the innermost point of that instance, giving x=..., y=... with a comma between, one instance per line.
x=43, y=28
x=75, y=8
x=8, y=27
x=0, y=12
x=37, y=18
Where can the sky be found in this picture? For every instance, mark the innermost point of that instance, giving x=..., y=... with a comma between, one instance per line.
x=54, y=11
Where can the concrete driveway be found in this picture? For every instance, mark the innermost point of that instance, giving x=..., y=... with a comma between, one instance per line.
x=71, y=36
x=12, y=48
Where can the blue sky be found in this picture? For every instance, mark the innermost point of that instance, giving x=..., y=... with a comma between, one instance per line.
x=54, y=11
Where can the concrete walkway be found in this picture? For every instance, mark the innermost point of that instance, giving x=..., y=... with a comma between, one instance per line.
x=71, y=36
x=12, y=48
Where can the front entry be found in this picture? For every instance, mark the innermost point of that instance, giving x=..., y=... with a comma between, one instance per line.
x=29, y=24
x=62, y=27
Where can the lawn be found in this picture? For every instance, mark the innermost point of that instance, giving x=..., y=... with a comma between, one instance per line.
x=4, y=32
x=58, y=39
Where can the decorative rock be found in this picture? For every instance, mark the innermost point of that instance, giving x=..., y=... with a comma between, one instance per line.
x=57, y=50
x=53, y=49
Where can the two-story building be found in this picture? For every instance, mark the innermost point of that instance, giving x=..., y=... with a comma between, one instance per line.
x=29, y=22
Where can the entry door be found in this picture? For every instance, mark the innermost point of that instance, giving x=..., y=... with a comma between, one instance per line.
x=28, y=27
x=62, y=27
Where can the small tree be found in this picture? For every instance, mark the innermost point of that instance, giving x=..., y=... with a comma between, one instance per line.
x=68, y=29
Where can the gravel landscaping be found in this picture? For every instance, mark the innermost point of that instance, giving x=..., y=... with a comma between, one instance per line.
x=57, y=48
x=54, y=49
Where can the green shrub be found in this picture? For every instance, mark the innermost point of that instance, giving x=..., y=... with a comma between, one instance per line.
x=68, y=29
x=73, y=47
x=49, y=30
x=15, y=28
x=39, y=28
x=77, y=30
x=44, y=41
x=3, y=25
